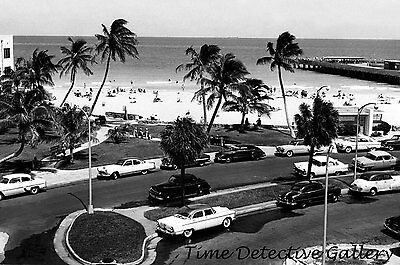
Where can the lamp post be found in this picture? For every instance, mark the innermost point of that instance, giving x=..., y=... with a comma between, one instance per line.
x=90, y=205
x=326, y=205
x=360, y=109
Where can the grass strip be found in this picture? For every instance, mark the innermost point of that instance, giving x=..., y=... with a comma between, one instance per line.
x=107, y=235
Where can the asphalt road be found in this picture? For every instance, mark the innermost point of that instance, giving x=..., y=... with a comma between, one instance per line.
x=350, y=220
x=24, y=216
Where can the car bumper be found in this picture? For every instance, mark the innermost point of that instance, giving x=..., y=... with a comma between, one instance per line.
x=357, y=191
x=163, y=231
x=299, y=172
x=287, y=204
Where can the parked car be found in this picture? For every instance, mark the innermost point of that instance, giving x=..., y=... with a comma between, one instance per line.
x=18, y=183
x=125, y=167
x=392, y=143
x=374, y=182
x=195, y=217
x=221, y=140
x=296, y=147
x=304, y=193
x=172, y=189
x=240, y=152
x=393, y=224
x=377, y=160
x=202, y=160
x=318, y=167
x=364, y=143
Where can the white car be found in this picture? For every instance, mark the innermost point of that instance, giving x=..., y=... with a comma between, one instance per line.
x=374, y=182
x=195, y=217
x=318, y=167
x=14, y=184
x=125, y=167
x=364, y=143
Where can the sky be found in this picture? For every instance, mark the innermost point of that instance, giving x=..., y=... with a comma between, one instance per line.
x=347, y=19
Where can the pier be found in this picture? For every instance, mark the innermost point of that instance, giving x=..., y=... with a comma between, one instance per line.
x=345, y=66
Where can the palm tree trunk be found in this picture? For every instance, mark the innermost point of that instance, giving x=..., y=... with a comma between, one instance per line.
x=214, y=115
x=69, y=90
x=183, y=185
x=242, y=121
x=15, y=154
x=102, y=84
x=204, y=109
x=284, y=102
x=71, y=154
x=310, y=158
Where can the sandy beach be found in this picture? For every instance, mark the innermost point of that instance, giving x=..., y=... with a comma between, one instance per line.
x=175, y=100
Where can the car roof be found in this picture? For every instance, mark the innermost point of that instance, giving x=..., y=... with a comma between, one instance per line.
x=306, y=183
x=322, y=158
x=197, y=206
x=379, y=153
x=186, y=175
x=372, y=173
x=127, y=158
x=16, y=175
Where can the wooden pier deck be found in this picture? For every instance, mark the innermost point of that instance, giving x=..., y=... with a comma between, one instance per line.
x=350, y=70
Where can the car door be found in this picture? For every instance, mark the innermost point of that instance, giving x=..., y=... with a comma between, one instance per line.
x=211, y=220
x=127, y=167
x=388, y=161
x=315, y=192
x=198, y=220
x=379, y=163
x=15, y=186
x=388, y=181
x=137, y=165
x=190, y=186
x=379, y=181
x=26, y=183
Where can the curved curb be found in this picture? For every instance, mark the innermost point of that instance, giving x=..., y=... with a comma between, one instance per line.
x=69, y=256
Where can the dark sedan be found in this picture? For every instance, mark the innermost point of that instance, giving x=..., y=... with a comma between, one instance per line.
x=202, y=160
x=239, y=153
x=393, y=225
x=305, y=193
x=172, y=189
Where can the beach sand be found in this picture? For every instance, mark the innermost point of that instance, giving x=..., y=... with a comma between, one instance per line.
x=176, y=101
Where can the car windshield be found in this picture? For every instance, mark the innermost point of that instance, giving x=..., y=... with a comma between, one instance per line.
x=318, y=163
x=365, y=177
x=182, y=214
x=370, y=156
x=4, y=180
x=120, y=162
x=297, y=187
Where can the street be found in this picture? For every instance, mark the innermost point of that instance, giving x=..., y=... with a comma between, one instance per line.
x=23, y=216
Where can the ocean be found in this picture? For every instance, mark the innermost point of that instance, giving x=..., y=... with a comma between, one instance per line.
x=159, y=58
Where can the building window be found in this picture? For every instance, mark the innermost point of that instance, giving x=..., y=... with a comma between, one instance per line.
x=6, y=53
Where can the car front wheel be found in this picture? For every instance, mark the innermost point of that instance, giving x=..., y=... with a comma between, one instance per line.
x=373, y=192
x=390, y=148
x=347, y=149
x=115, y=175
x=335, y=198
x=144, y=172
x=188, y=233
x=34, y=190
x=228, y=160
x=227, y=222
x=289, y=153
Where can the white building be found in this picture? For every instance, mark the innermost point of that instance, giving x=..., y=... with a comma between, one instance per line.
x=6, y=52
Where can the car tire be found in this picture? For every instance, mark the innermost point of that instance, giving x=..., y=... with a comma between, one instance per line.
x=144, y=172
x=227, y=222
x=175, y=167
x=228, y=160
x=390, y=148
x=348, y=149
x=34, y=190
x=373, y=192
x=338, y=173
x=312, y=175
x=115, y=175
x=335, y=198
x=289, y=153
x=188, y=233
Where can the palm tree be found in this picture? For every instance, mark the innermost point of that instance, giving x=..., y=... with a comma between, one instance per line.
x=73, y=128
x=224, y=72
x=75, y=58
x=118, y=134
x=282, y=57
x=318, y=126
x=251, y=95
x=29, y=112
x=36, y=71
x=183, y=141
x=118, y=42
x=197, y=67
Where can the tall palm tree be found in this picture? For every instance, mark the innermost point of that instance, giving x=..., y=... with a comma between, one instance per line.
x=30, y=113
x=251, y=95
x=282, y=57
x=318, y=126
x=183, y=141
x=37, y=71
x=197, y=67
x=116, y=43
x=224, y=72
x=76, y=57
